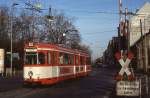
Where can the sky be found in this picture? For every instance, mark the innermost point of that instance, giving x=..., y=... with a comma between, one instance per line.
x=96, y=29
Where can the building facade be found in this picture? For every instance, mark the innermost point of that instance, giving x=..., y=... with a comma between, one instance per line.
x=109, y=54
x=139, y=39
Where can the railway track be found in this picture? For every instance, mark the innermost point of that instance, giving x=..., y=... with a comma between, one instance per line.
x=21, y=92
x=98, y=85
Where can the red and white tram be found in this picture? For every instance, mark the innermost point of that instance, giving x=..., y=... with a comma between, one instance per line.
x=49, y=64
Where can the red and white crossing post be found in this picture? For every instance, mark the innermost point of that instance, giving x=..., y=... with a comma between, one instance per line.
x=124, y=56
x=125, y=66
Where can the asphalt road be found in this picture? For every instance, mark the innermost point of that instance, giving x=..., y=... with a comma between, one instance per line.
x=99, y=84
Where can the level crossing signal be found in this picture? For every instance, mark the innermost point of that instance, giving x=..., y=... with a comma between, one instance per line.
x=125, y=66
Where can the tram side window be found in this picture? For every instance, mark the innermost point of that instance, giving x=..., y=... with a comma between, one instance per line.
x=77, y=60
x=41, y=58
x=61, y=57
x=49, y=57
x=54, y=55
x=71, y=59
x=81, y=60
x=88, y=61
x=31, y=58
x=66, y=58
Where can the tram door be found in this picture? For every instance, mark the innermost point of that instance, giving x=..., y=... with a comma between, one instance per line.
x=52, y=61
x=49, y=61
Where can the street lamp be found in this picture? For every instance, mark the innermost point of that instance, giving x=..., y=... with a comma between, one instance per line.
x=50, y=17
x=11, y=39
x=64, y=34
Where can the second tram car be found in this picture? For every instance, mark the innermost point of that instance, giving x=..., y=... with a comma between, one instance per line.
x=49, y=64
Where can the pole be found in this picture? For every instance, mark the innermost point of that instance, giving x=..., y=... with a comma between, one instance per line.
x=120, y=34
x=140, y=88
x=147, y=85
x=146, y=57
x=11, y=38
x=11, y=29
x=141, y=29
x=145, y=48
x=49, y=22
x=120, y=14
x=120, y=23
x=127, y=29
x=50, y=11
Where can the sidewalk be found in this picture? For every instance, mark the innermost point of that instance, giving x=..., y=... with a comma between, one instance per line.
x=143, y=90
x=11, y=82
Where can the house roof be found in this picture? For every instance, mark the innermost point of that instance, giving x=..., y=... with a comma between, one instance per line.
x=142, y=14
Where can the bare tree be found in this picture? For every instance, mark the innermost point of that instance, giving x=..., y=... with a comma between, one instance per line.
x=60, y=31
x=4, y=28
x=85, y=48
x=28, y=28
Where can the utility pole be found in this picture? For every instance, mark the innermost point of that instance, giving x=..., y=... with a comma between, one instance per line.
x=121, y=19
x=123, y=29
x=141, y=52
x=11, y=37
x=49, y=17
x=120, y=23
x=121, y=35
x=124, y=52
x=145, y=48
x=127, y=34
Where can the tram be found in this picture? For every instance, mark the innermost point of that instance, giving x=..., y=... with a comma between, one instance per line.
x=49, y=64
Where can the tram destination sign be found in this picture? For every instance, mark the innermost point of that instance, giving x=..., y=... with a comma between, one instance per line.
x=127, y=88
x=31, y=50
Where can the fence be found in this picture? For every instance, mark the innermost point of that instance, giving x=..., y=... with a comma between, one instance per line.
x=144, y=85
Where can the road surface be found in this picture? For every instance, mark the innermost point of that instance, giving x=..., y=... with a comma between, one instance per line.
x=99, y=84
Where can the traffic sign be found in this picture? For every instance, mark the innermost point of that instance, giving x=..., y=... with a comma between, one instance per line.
x=125, y=65
x=128, y=88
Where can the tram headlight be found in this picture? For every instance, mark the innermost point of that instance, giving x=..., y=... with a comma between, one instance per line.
x=30, y=73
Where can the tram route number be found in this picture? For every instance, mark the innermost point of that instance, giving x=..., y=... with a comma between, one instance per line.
x=127, y=88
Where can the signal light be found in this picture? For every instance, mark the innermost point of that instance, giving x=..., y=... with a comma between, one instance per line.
x=119, y=77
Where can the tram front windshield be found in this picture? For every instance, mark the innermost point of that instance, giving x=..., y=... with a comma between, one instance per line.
x=30, y=58
x=34, y=58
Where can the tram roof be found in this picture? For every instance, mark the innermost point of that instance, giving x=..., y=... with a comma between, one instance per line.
x=55, y=47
